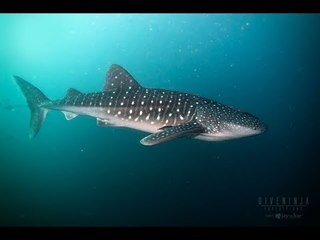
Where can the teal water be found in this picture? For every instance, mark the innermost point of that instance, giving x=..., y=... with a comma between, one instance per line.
x=76, y=173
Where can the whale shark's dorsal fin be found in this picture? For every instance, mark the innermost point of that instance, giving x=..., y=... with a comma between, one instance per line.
x=118, y=77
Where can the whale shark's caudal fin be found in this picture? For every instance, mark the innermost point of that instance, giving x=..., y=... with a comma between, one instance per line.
x=35, y=99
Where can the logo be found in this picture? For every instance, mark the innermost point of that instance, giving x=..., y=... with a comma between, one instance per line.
x=283, y=207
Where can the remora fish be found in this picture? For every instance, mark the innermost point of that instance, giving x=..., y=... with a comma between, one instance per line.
x=166, y=114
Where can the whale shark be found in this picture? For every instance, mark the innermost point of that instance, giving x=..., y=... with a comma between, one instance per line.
x=166, y=114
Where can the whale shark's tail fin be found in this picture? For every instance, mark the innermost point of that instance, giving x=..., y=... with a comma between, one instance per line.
x=35, y=99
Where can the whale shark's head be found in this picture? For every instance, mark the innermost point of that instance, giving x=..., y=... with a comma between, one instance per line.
x=224, y=123
x=242, y=125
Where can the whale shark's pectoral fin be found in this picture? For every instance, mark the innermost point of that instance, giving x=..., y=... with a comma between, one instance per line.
x=169, y=133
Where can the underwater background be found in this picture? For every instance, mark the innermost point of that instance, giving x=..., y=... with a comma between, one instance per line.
x=75, y=173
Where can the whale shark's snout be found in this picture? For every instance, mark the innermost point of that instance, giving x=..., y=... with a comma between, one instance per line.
x=251, y=123
x=254, y=123
x=263, y=127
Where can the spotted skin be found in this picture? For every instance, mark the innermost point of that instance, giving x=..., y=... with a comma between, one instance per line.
x=155, y=106
x=164, y=113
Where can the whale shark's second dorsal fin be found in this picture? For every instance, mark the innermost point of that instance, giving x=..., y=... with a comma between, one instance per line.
x=118, y=77
x=73, y=92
